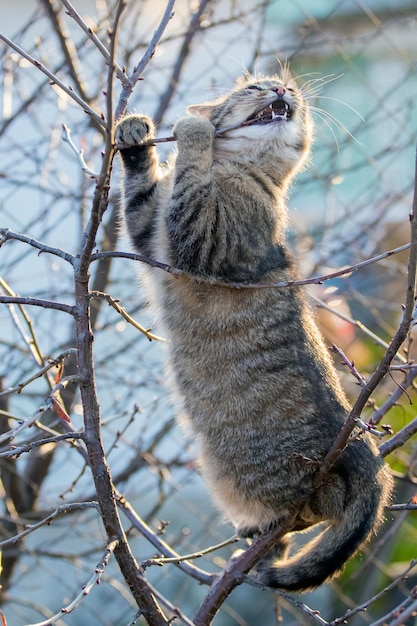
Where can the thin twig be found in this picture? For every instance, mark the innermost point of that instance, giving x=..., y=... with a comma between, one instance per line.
x=367, y=427
x=411, y=374
x=113, y=303
x=314, y=280
x=15, y=452
x=66, y=136
x=171, y=607
x=367, y=604
x=129, y=83
x=357, y=323
x=218, y=133
x=350, y=364
x=400, y=614
x=62, y=510
x=403, y=507
x=162, y=547
x=47, y=405
x=52, y=363
x=54, y=79
x=93, y=582
x=193, y=28
x=7, y=234
x=389, y=355
x=46, y=304
x=399, y=438
x=313, y=614
x=72, y=12
x=28, y=337
x=189, y=557
x=119, y=254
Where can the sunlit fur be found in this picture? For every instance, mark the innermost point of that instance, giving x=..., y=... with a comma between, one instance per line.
x=248, y=370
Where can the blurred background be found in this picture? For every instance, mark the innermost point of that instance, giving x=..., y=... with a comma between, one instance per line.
x=357, y=62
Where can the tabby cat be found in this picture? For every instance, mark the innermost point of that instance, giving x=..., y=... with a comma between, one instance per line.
x=249, y=371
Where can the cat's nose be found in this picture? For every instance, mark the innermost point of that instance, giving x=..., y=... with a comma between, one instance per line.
x=280, y=90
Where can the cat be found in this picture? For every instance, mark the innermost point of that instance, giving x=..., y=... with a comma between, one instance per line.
x=249, y=370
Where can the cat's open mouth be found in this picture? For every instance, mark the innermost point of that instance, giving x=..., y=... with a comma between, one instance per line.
x=277, y=110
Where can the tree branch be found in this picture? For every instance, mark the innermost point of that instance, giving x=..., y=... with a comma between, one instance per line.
x=93, y=582
x=84, y=341
x=59, y=512
x=54, y=79
x=6, y=234
x=73, y=13
x=389, y=355
x=129, y=84
x=234, y=574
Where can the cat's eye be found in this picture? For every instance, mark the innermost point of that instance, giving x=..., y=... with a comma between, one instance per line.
x=254, y=87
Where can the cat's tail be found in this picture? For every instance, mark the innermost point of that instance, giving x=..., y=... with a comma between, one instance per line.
x=324, y=557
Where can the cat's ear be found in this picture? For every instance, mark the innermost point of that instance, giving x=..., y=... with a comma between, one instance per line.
x=200, y=110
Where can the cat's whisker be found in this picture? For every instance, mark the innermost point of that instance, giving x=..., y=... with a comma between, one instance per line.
x=325, y=80
x=299, y=76
x=322, y=113
x=345, y=104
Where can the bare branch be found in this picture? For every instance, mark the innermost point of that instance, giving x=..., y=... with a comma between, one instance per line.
x=189, y=557
x=46, y=304
x=364, y=607
x=129, y=84
x=399, y=438
x=358, y=324
x=54, y=80
x=84, y=342
x=193, y=28
x=93, y=582
x=159, y=544
x=350, y=364
x=66, y=136
x=389, y=355
x=52, y=363
x=16, y=451
x=47, y=405
x=6, y=234
x=62, y=510
x=113, y=303
x=315, y=280
x=72, y=12
x=233, y=575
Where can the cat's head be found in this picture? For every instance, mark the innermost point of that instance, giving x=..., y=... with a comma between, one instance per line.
x=275, y=119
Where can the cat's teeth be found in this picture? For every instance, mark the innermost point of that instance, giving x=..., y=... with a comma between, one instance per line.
x=283, y=114
x=269, y=113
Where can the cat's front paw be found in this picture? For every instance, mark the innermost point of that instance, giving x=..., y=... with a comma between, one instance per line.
x=134, y=130
x=194, y=130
